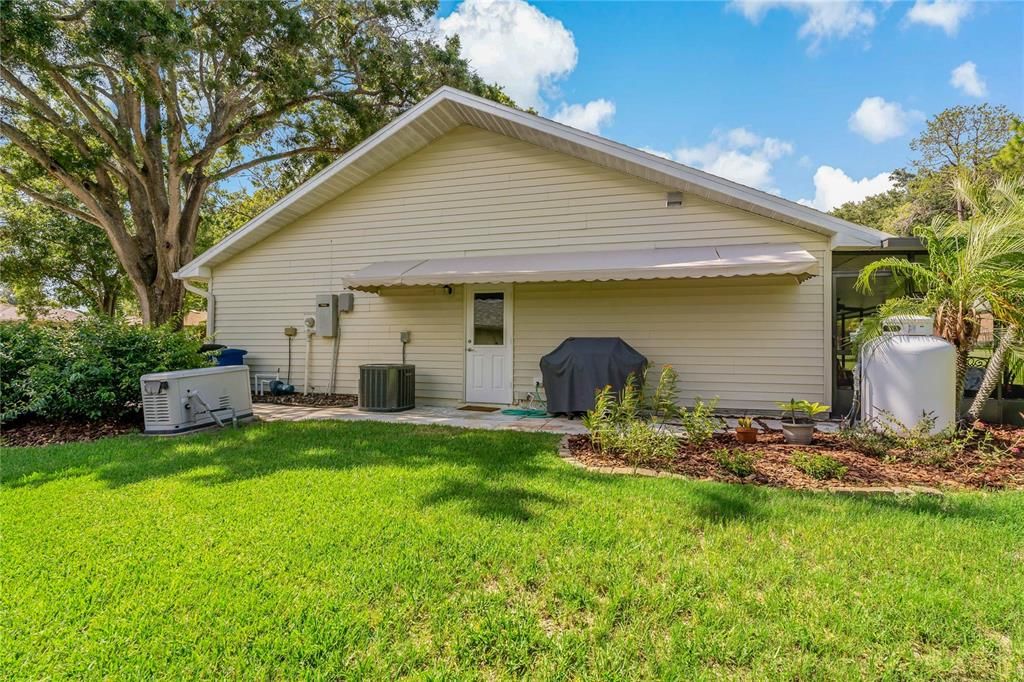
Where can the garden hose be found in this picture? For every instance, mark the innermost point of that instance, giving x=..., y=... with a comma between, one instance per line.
x=529, y=412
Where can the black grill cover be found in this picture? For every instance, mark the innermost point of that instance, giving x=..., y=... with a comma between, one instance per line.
x=580, y=366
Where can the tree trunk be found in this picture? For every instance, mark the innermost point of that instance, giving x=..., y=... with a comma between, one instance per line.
x=993, y=372
x=108, y=305
x=160, y=301
x=961, y=375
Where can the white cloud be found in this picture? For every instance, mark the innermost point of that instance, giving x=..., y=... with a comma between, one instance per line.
x=944, y=14
x=833, y=187
x=878, y=120
x=966, y=79
x=822, y=20
x=738, y=154
x=514, y=44
x=590, y=117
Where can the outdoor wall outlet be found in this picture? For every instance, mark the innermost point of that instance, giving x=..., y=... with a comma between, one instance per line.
x=405, y=337
x=290, y=331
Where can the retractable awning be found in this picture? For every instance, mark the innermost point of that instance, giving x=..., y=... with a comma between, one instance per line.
x=592, y=266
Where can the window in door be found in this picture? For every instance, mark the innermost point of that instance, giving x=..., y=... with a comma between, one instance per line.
x=489, y=319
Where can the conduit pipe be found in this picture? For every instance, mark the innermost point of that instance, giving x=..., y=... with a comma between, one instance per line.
x=310, y=331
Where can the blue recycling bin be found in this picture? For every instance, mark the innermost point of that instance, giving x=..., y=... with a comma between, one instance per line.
x=231, y=356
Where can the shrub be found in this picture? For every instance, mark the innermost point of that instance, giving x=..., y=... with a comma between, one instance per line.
x=643, y=443
x=866, y=440
x=86, y=370
x=736, y=461
x=598, y=421
x=663, y=404
x=22, y=347
x=886, y=438
x=819, y=466
x=699, y=421
x=615, y=425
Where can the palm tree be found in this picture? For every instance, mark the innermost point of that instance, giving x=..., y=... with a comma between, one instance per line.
x=974, y=266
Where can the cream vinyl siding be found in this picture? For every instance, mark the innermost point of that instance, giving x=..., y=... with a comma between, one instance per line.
x=750, y=341
x=474, y=192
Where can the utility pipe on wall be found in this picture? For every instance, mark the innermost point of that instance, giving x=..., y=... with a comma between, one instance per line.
x=310, y=331
x=211, y=306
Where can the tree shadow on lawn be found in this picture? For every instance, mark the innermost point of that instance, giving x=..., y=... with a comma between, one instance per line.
x=493, y=469
x=491, y=500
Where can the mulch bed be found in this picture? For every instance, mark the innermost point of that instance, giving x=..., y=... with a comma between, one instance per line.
x=310, y=400
x=968, y=469
x=34, y=432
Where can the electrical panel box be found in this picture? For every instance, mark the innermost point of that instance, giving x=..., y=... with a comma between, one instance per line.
x=327, y=315
x=346, y=301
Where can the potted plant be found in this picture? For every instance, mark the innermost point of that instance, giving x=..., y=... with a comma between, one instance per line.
x=799, y=430
x=746, y=432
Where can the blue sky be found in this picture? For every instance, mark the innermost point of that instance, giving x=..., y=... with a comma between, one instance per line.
x=814, y=101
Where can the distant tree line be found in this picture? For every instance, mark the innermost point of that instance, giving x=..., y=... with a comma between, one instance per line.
x=982, y=142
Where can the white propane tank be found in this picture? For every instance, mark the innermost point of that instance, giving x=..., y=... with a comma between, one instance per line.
x=908, y=373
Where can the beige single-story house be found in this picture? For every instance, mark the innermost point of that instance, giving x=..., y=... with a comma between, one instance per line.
x=464, y=211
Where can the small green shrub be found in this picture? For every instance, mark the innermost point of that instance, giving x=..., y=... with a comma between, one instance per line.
x=736, y=461
x=85, y=370
x=817, y=465
x=866, y=440
x=598, y=421
x=615, y=425
x=886, y=438
x=627, y=408
x=663, y=404
x=700, y=421
x=642, y=443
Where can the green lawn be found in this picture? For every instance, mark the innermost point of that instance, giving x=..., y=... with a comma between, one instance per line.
x=334, y=550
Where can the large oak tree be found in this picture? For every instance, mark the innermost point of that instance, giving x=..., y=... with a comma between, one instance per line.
x=137, y=108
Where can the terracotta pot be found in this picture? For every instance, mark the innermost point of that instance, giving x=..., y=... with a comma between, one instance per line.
x=746, y=434
x=798, y=434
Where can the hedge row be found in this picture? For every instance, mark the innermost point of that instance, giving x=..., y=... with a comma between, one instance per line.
x=86, y=370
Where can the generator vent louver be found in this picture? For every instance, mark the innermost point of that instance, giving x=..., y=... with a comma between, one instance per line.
x=156, y=409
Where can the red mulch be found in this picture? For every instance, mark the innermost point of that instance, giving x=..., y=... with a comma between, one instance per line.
x=310, y=400
x=35, y=432
x=967, y=469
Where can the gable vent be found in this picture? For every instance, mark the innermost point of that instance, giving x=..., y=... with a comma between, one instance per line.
x=673, y=199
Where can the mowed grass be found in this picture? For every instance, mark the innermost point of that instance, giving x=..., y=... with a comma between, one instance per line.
x=361, y=550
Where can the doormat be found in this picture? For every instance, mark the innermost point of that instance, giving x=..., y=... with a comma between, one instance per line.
x=479, y=408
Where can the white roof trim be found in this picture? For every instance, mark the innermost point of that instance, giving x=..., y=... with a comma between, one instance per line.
x=447, y=108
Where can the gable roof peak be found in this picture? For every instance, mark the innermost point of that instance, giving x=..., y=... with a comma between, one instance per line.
x=448, y=107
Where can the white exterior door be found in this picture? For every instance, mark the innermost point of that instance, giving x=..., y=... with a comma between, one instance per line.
x=489, y=345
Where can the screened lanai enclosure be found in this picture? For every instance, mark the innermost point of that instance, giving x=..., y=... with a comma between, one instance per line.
x=851, y=307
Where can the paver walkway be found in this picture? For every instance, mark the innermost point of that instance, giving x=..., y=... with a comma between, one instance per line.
x=450, y=416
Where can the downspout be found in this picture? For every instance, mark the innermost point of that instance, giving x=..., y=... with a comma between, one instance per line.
x=211, y=306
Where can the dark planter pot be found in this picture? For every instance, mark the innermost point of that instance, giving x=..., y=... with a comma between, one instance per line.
x=799, y=433
x=746, y=435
